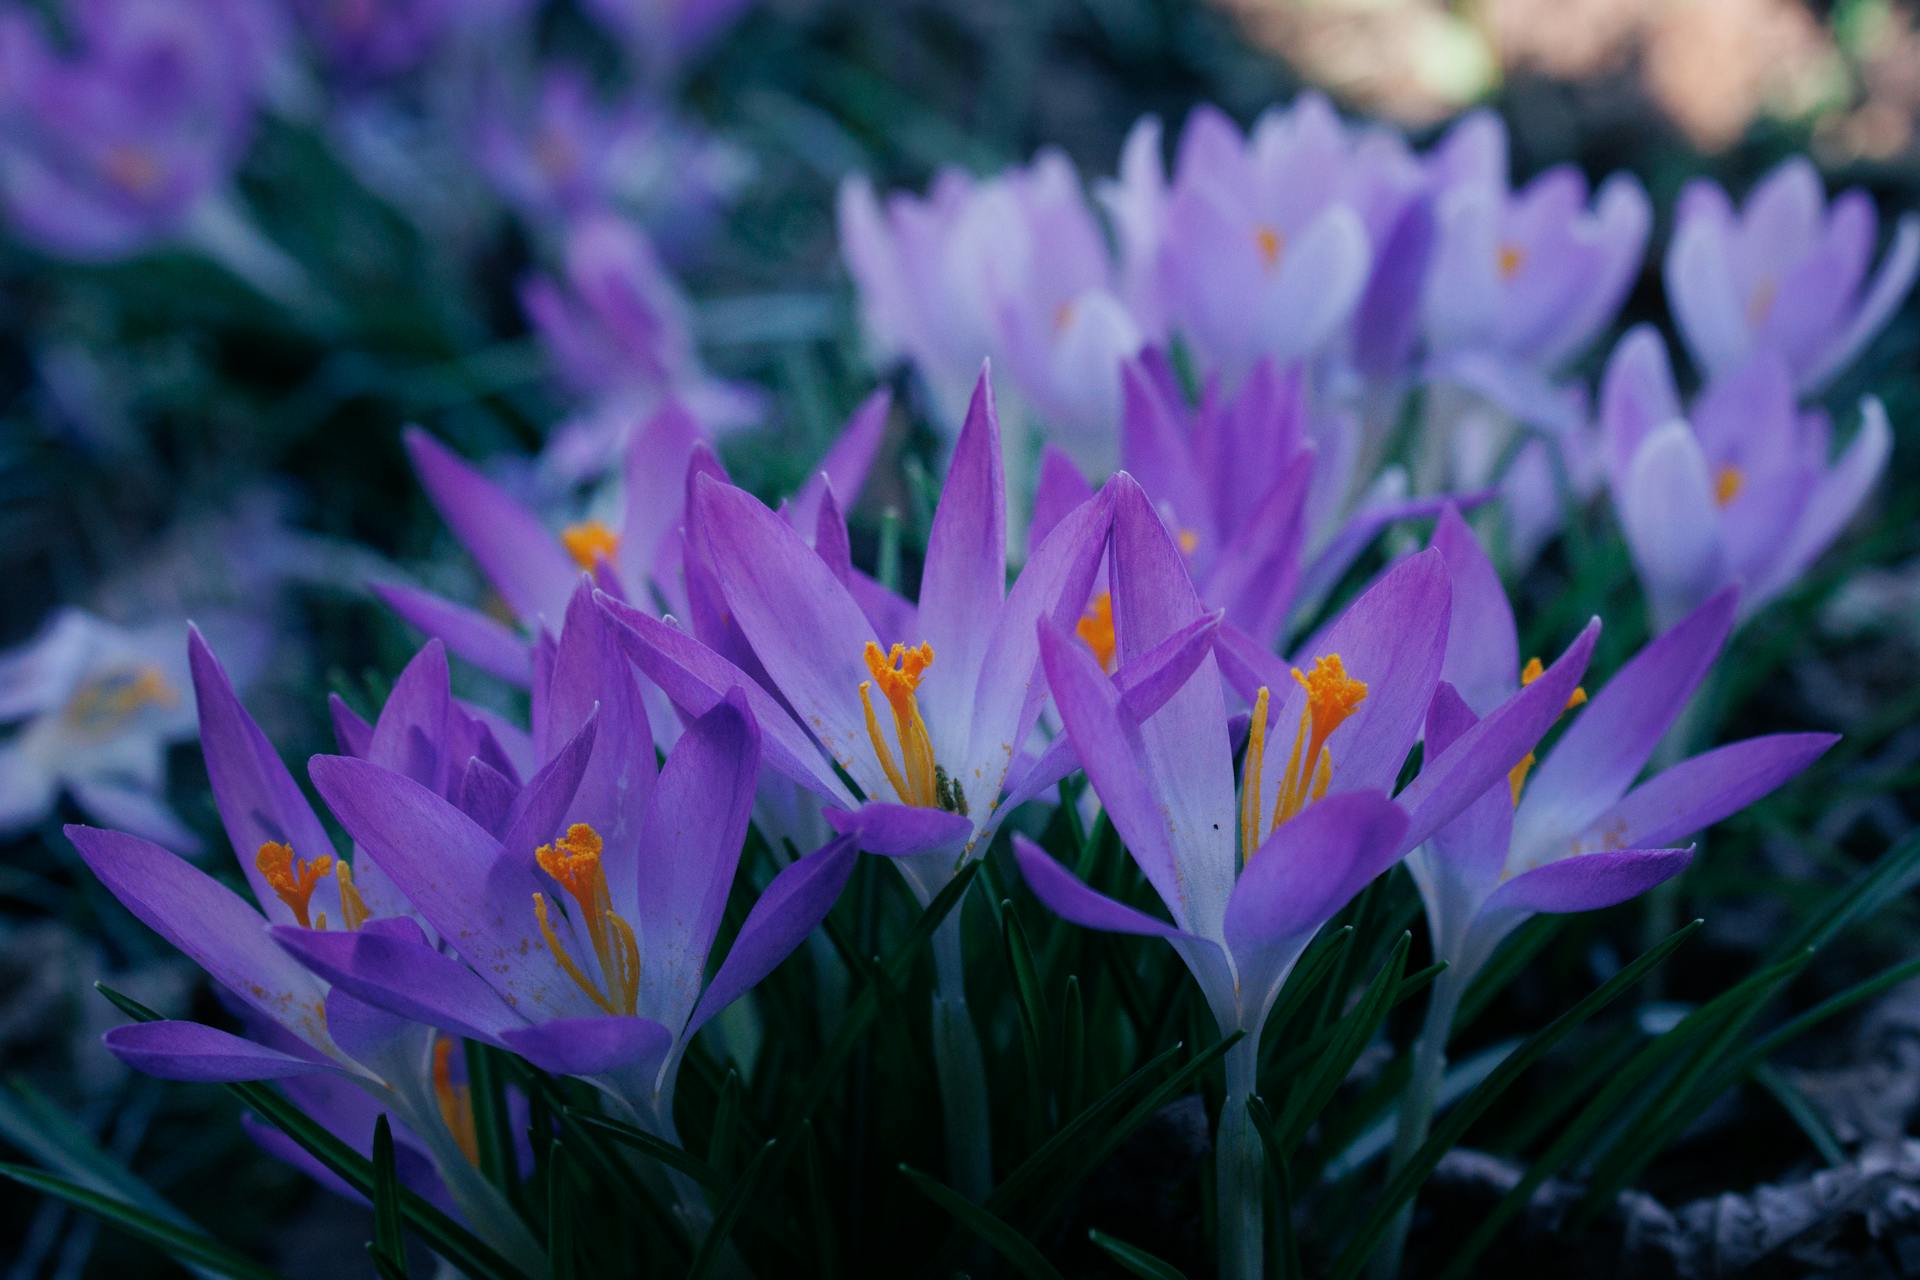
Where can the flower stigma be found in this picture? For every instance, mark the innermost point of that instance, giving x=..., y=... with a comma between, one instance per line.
x=573, y=861
x=916, y=778
x=589, y=542
x=1517, y=776
x=293, y=880
x=1095, y=630
x=1332, y=696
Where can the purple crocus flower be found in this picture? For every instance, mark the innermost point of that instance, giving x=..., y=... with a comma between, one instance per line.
x=376, y=39
x=660, y=34
x=1737, y=489
x=96, y=707
x=617, y=330
x=129, y=141
x=635, y=554
x=1248, y=881
x=1014, y=268
x=1260, y=245
x=301, y=1028
x=1786, y=272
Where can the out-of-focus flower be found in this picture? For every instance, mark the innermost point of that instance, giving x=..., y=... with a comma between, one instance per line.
x=961, y=702
x=616, y=330
x=97, y=706
x=660, y=34
x=1526, y=277
x=1248, y=881
x=1737, y=489
x=635, y=554
x=372, y=39
x=1014, y=268
x=1260, y=245
x=566, y=153
x=302, y=1029
x=1786, y=273
x=128, y=140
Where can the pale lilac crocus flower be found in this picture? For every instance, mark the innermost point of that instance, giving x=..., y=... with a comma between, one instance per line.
x=1248, y=880
x=95, y=707
x=1737, y=489
x=1576, y=832
x=931, y=730
x=303, y=1029
x=1014, y=268
x=1787, y=272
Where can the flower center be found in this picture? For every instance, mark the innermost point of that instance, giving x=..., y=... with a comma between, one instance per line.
x=1517, y=776
x=1760, y=302
x=589, y=542
x=1095, y=629
x=455, y=1101
x=103, y=704
x=130, y=168
x=1728, y=481
x=916, y=779
x=1271, y=242
x=1512, y=258
x=1332, y=696
x=574, y=863
x=294, y=879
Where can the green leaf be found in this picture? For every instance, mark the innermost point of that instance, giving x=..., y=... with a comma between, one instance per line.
x=561, y=1255
x=1313, y=969
x=645, y=1143
x=1009, y=1243
x=1136, y=1259
x=726, y=1117
x=826, y=1242
x=189, y=1245
x=1073, y=1047
x=389, y=1238
x=1801, y=1112
x=1450, y=1127
x=1886, y=877
x=492, y=1127
x=1308, y=1096
x=714, y=1247
x=1032, y=1008
x=1510, y=960
x=1286, y=1242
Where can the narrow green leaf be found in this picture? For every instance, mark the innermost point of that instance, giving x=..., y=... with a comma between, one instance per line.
x=1801, y=1112
x=645, y=1143
x=715, y=1246
x=1888, y=875
x=492, y=1126
x=189, y=1245
x=1510, y=960
x=1307, y=1097
x=1450, y=1127
x=1135, y=1259
x=1313, y=969
x=826, y=1241
x=726, y=1117
x=561, y=1254
x=1286, y=1241
x=1073, y=1048
x=1032, y=1008
x=1009, y=1243
x=389, y=1238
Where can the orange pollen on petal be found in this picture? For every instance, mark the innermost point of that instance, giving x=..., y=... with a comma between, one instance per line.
x=455, y=1101
x=1533, y=670
x=1062, y=317
x=1189, y=541
x=574, y=863
x=133, y=169
x=1728, y=481
x=1512, y=258
x=1095, y=629
x=914, y=776
x=589, y=542
x=353, y=908
x=292, y=879
x=1271, y=242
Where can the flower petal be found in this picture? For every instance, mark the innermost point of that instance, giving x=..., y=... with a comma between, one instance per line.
x=519, y=556
x=592, y=1046
x=397, y=970
x=901, y=830
x=1696, y=793
x=190, y=1051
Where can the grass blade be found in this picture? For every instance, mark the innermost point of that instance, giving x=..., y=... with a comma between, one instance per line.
x=389, y=1237
x=189, y=1245
x=714, y=1247
x=1019, y=1251
x=1135, y=1259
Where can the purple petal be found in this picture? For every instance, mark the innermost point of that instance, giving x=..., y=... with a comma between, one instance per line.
x=847, y=463
x=787, y=911
x=258, y=799
x=1068, y=897
x=190, y=1051
x=486, y=795
x=651, y=475
x=1587, y=881
x=592, y=1046
x=1483, y=651
x=409, y=733
x=397, y=970
x=349, y=730
x=523, y=561
x=540, y=810
x=1059, y=490
x=901, y=830
x=1876, y=306
x=1148, y=682
x=1672, y=523
x=209, y=923
x=489, y=645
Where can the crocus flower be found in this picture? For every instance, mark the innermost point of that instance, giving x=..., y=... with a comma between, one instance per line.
x=97, y=706
x=363, y=40
x=615, y=328
x=1259, y=245
x=1787, y=272
x=635, y=554
x=662, y=33
x=1014, y=268
x=1247, y=881
x=1735, y=490
x=302, y=1028
x=128, y=141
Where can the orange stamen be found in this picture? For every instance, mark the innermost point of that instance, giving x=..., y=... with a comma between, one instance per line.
x=1728, y=481
x=1271, y=242
x=1533, y=670
x=589, y=542
x=574, y=863
x=455, y=1101
x=1512, y=258
x=1332, y=697
x=915, y=777
x=1095, y=629
x=292, y=879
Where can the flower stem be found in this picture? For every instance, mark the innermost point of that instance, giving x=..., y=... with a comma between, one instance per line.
x=1238, y=1171
x=1416, y=1109
x=962, y=1070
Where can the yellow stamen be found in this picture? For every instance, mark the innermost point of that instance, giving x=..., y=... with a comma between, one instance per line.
x=1728, y=481
x=574, y=863
x=106, y=701
x=915, y=778
x=1512, y=258
x=1332, y=697
x=1189, y=540
x=455, y=1100
x=1533, y=670
x=1095, y=629
x=353, y=908
x=1271, y=242
x=589, y=542
x=292, y=879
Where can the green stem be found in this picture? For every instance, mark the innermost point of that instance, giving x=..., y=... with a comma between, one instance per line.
x=1238, y=1171
x=962, y=1070
x=1417, y=1107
